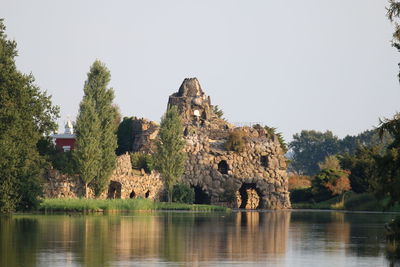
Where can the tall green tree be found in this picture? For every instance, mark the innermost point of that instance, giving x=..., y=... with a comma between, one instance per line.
x=169, y=158
x=26, y=114
x=88, y=150
x=100, y=98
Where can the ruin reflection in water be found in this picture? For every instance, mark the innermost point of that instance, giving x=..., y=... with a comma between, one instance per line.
x=277, y=238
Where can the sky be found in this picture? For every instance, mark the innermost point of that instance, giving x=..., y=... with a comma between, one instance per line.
x=293, y=65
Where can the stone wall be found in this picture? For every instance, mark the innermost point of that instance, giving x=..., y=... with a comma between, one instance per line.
x=260, y=168
x=124, y=183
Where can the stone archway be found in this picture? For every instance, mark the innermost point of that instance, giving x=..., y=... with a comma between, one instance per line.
x=200, y=196
x=147, y=194
x=132, y=194
x=248, y=196
x=114, y=190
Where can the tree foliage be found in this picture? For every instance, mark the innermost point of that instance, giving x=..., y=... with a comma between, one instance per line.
x=169, y=158
x=311, y=147
x=362, y=166
x=330, y=162
x=183, y=193
x=330, y=182
x=141, y=161
x=388, y=172
x=96, y=129
x=124, y=136
x=393, y=13
x=218, y=111
x=87, y=152
x=26, y=114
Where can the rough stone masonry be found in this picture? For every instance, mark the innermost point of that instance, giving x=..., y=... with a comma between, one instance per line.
x=253, y=178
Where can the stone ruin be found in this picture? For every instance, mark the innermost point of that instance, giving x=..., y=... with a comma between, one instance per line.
x=254, y=178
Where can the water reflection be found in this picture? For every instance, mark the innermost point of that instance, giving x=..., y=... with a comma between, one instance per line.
x=158, y=238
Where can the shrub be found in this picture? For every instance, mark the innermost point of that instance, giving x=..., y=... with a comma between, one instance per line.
x=142, y=161
x=366, y=201
x=64, y=162
x=301, y=195
x=183, y=193
x=236, y=141
x=299, y=181
x=329, y=183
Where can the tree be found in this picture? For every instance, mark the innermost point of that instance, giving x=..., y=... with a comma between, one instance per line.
x=388, y=173
x=97, y=104
x=88, y=151
x=26, y=114
x=124, y=136
x=169, y=158
x=309, y=148
x=330, y=182
x=362, y=167
x=330, y=162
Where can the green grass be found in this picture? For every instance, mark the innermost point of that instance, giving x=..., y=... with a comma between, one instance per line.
x=104, y=205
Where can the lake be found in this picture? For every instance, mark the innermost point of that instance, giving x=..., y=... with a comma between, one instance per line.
x=270, y=238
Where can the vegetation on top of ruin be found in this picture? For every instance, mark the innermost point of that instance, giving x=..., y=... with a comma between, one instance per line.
x=272, y=131
x=236, y=141
x=217, y=111
x=141, y=161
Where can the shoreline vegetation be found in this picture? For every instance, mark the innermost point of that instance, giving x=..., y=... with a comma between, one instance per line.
x=350, y=202
x=50, y=205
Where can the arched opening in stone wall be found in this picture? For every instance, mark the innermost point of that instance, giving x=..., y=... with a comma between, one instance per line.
x=114, y=190
x=200, y=196
x=264, y=161
x=132, y=194
x=223, y=167
x=186, y=132
x=248, y=196
x=147, y=194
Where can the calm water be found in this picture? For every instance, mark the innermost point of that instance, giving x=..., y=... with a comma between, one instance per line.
x=284, y=238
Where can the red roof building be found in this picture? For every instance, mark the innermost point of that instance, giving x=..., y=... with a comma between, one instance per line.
x=66, y=141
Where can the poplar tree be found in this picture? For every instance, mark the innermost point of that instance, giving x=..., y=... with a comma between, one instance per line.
x=170, y=156
x=26, y=114
x=96, y=88
x=87, y=152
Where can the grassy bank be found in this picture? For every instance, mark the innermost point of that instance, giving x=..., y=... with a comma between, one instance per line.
x=352, y=202
x=104, y=205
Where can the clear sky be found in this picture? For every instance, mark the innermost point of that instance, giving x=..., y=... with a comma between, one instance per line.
x=310, y=64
